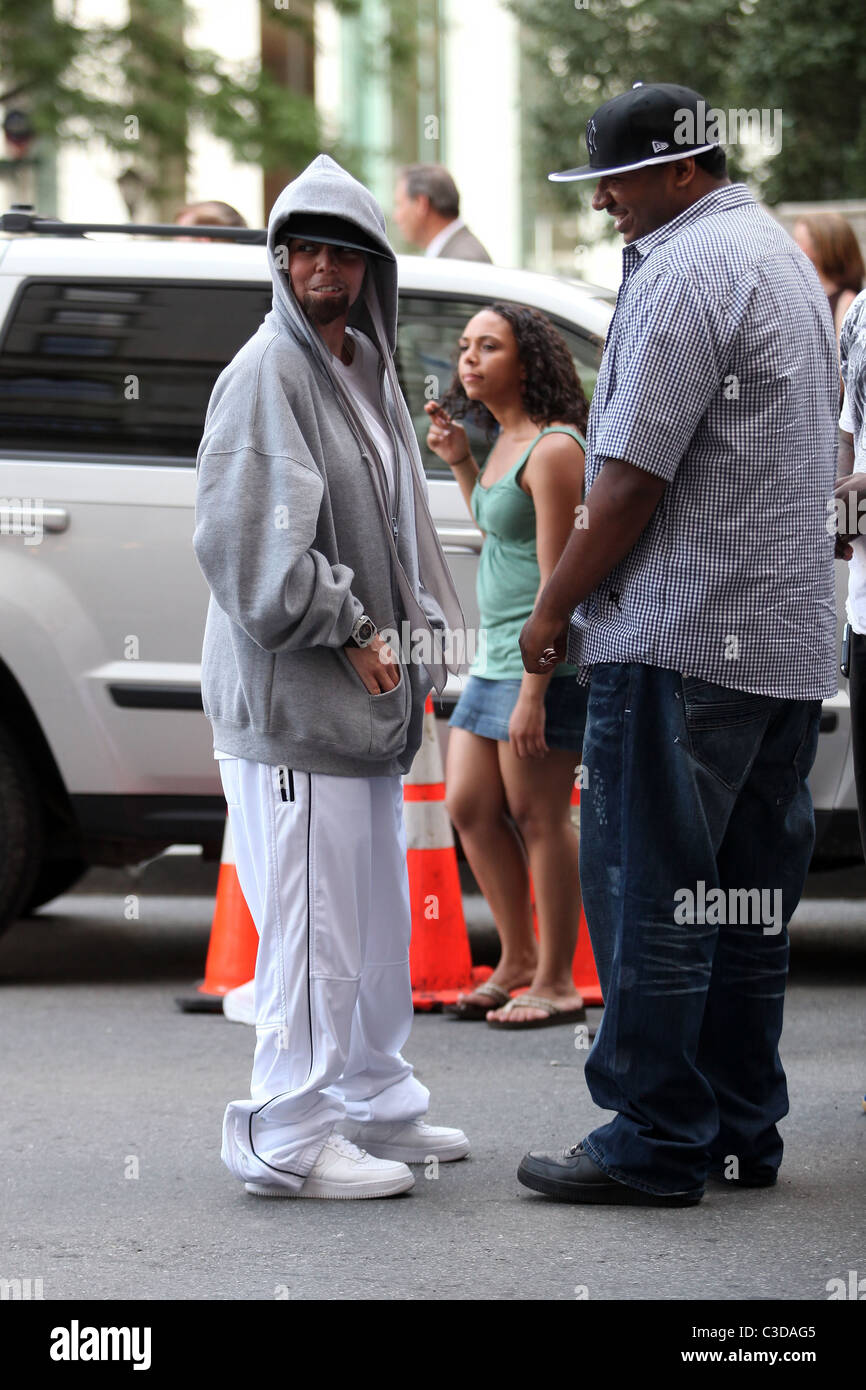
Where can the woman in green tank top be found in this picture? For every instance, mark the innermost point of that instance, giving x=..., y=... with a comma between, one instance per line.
x=515, y=737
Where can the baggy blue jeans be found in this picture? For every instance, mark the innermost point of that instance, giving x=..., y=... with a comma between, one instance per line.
x=692, y=788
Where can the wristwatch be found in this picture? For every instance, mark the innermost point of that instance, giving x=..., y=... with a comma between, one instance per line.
x=363, y=632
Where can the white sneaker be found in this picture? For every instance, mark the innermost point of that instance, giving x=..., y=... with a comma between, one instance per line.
x=239, y=1003
x=345, y=1172
x=415, y=1142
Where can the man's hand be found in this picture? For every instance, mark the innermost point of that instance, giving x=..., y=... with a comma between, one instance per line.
x=376, y=665
x=851, y=490
x=543, y=643
x=855, y=482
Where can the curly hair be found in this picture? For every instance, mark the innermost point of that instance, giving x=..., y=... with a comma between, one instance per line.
x=551, y=388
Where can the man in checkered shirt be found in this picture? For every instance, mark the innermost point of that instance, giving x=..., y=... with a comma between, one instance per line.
x=702, y=578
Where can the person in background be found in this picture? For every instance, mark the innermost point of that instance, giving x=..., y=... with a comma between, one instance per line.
x=829, y=242
x=850, y=542
x=427, y=211
x=209, y=214
x=515, y=738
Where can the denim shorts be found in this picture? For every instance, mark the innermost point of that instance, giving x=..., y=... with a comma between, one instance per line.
x=485, y=707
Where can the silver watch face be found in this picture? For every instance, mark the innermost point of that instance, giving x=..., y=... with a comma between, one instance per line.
x=365, y=632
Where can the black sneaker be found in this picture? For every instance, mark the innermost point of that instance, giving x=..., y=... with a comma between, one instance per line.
x=572, y=1176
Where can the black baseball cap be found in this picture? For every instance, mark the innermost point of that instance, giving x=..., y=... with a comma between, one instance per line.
x=331, y=231
x=640, y=127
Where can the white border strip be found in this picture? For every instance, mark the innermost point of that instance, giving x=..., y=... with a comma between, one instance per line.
x=571, y=175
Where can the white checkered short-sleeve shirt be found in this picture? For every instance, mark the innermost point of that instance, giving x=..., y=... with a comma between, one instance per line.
x=852, y=346
x=720, y=375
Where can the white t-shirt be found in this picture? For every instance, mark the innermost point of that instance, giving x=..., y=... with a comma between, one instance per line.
x=855, y=604
x=361, y=378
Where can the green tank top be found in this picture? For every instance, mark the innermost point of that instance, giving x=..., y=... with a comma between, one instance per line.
x=508, y=573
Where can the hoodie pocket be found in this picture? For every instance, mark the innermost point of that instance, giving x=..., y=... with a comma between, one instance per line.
x=388, y=713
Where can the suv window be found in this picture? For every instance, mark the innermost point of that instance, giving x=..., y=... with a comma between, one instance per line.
x=428, y=329
x=119, y=367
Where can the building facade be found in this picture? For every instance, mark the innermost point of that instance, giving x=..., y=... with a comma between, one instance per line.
x=395, y=83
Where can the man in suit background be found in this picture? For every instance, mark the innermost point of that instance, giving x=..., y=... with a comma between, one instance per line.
x=427, y=211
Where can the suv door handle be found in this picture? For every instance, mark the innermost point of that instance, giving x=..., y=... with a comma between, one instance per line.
x=54, y=518
x=15, y=516
x=460, y=540
x=26, y=516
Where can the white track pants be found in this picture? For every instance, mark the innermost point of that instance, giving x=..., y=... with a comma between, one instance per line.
x=321, y=862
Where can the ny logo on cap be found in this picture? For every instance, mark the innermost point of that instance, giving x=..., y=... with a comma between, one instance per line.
x=591, y=143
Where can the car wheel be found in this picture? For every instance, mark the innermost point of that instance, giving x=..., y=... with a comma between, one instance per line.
x=22, y=832
x=55, y=876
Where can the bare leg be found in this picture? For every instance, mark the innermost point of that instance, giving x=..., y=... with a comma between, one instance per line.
x=538, y=791
x=475, y=798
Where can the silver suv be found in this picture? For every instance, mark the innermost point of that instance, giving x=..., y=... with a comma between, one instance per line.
x=109, y=347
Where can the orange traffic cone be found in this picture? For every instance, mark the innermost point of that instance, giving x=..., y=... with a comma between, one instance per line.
x=583, y=970
x=439, y=957
x=234, y=941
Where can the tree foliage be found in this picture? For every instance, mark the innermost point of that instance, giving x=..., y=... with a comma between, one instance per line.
x=805, y=59
x=809, y=60
x=78, y=80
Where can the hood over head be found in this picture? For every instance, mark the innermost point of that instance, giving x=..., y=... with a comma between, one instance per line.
x=326, y=191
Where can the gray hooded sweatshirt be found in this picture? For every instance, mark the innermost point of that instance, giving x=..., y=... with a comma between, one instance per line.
x=296, y=539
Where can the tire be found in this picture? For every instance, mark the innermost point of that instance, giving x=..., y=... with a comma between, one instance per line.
x=55, y=876
x=22, y=832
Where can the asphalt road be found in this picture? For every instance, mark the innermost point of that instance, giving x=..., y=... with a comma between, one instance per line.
x=113, y=1186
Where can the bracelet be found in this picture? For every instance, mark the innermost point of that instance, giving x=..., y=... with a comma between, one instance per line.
x=466, y=456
